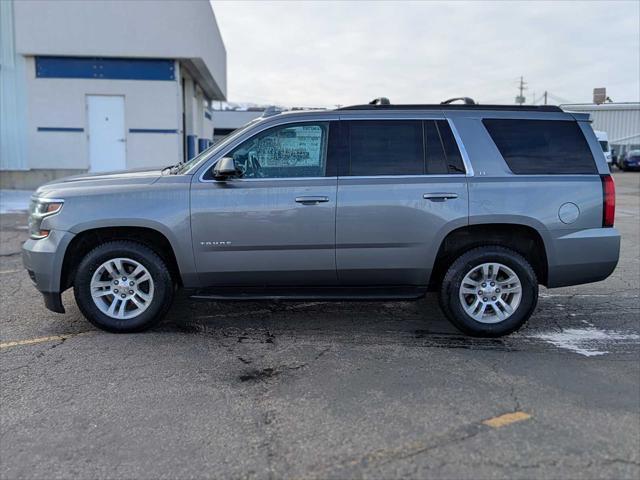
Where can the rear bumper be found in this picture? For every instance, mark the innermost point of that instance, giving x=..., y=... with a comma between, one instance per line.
x=43, y=260
x=584, y=256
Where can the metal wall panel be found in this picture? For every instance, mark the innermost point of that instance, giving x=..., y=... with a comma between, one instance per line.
x=105, y=68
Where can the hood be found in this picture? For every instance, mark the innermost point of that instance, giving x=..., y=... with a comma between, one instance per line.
x=111, y=176
x=100, y=180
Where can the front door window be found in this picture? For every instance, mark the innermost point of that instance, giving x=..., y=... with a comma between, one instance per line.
x=284, y=152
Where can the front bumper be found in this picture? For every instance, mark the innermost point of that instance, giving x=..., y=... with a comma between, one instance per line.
x=584, y=256
x=43, y=260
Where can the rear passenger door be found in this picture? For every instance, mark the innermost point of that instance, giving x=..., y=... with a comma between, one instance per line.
x=402, y=185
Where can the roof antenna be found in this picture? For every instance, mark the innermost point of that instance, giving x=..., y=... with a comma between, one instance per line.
x=466, y=100
x=380, y=101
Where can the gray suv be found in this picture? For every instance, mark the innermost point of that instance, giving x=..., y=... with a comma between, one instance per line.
x=479, y=203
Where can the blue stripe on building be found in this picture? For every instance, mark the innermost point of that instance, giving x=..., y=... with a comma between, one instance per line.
x=105, y=68
x=60, y=129
x=191, y=146
x=151, y=130
x=203, y=144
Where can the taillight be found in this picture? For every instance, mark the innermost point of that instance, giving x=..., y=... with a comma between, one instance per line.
x=608, y=200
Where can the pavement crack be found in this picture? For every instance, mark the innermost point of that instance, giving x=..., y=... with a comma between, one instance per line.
x=403, y=452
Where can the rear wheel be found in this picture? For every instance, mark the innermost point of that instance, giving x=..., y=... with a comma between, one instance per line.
x=123, y=286
x=489, y=291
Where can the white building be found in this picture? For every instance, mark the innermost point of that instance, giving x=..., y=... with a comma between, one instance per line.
x=100, y=85
x=226, y=121
x=621, y=121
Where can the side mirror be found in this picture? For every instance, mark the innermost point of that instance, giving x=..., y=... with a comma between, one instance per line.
x=224, y=169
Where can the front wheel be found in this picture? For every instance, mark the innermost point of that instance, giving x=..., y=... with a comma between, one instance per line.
x=489, y=291
x=123, y=286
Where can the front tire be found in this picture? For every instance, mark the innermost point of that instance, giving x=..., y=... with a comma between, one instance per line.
x=123, y=286
x=489, y=291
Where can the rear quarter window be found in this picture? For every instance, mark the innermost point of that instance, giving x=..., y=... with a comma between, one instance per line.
x=547, y=147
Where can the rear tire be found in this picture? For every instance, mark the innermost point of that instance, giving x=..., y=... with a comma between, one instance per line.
x=123, y=286
x=489, y=292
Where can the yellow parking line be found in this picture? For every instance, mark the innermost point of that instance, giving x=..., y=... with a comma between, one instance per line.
x=32, y=341
x=506, y=419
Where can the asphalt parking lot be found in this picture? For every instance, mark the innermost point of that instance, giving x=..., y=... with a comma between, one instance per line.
x=324, y=390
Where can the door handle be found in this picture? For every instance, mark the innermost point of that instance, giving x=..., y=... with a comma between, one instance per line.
x=439, y=197
x=311, y=200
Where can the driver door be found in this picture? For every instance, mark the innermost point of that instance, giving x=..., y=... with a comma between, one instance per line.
x=274, y=225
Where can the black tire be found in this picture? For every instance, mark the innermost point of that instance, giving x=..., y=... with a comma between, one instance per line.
x=452, y=306
x=163, y=286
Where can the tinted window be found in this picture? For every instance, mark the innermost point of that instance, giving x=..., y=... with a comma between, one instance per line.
x=541, y=146
x=392, y=147
x=454, y=159
x=287, y=151
x=436, y=162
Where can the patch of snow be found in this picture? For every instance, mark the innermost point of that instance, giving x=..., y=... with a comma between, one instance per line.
x=12, y=201
x=590, y=342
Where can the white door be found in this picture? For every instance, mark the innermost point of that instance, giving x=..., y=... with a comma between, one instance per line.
x=106, y=133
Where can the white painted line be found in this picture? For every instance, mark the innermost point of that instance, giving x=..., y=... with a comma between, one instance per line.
x=566, y=295
x=13, y=201
x=590, y=342
x=11, y=271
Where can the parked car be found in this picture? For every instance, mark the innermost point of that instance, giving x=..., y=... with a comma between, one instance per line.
x=603, y=140
x=480, y=203
x=630, y=161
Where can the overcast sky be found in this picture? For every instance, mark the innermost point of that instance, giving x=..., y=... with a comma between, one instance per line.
x=324, y=53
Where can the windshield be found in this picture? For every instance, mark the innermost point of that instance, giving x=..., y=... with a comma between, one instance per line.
x=605, y=145
x=194, y=163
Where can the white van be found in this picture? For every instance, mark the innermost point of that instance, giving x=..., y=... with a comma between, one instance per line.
x=603, y=139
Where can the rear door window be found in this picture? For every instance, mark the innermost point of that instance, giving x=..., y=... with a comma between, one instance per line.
x=392, y=147
x=454, y=159
x=402, y=147
x=546, y=147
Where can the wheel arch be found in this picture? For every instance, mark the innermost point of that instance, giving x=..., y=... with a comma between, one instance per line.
x=86, y=240
x=519, y=237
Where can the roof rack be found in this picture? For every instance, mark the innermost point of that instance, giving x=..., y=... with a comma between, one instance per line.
x=465, y=100
x=271, y=110
x=380, y=101
x=516, y=108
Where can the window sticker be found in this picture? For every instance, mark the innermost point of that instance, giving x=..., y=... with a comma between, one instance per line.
x=299, y=146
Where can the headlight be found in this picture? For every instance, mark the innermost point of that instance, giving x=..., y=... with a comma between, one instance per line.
x=39, y=209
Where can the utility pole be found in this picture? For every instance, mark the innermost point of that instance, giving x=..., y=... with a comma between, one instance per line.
x=545, y=97
x=520, y=98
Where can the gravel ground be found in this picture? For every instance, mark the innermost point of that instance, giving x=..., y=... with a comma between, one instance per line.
x=324, y=390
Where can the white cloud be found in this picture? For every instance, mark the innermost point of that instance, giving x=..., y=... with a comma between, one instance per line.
x=325, y=53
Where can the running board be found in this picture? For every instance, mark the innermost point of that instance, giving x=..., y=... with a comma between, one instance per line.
x=318, y=293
